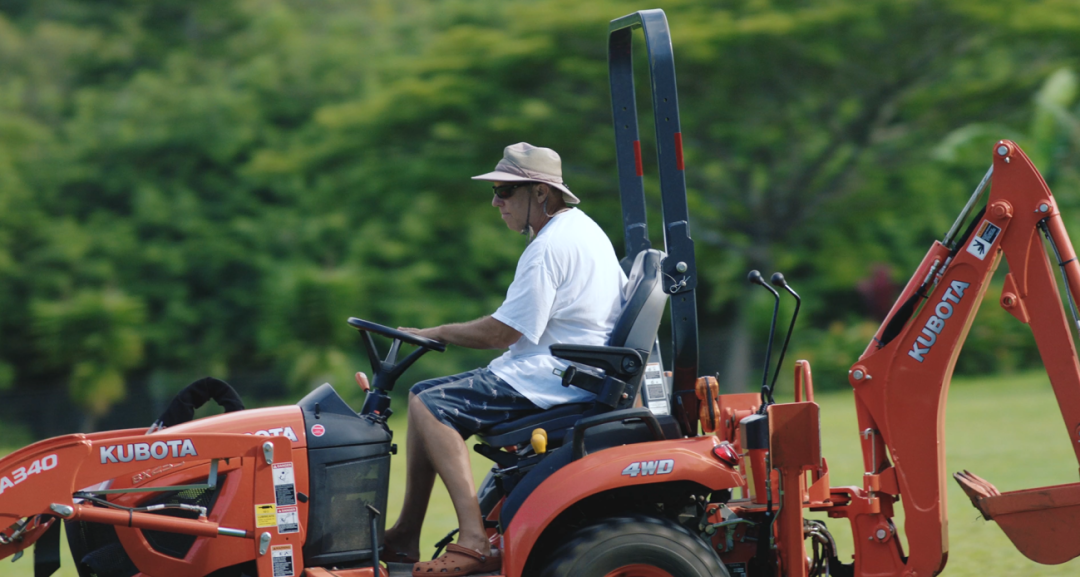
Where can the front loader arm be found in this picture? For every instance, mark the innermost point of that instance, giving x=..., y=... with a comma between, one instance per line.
x=901, y=384
x=38, y=483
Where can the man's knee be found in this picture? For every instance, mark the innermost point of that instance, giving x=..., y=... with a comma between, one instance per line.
x=416, y=405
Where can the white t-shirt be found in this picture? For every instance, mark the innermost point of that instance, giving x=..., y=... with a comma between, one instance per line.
x=567, y=289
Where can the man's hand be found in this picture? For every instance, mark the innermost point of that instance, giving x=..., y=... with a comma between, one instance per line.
x=426, y=333
x=483, y=333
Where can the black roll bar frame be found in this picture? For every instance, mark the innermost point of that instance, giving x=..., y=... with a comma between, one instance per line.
x=679, y=267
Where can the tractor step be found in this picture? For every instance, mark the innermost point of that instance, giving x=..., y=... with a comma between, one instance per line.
x=405, y=570
x=395, y=570
x=1043, y=523
x=362, y=572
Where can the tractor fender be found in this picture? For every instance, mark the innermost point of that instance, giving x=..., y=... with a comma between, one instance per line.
x=688, y=459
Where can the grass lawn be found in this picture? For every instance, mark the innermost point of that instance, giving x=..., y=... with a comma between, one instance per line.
x=1006, y=429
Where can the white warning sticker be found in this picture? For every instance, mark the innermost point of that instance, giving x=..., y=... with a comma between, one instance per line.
x=287, y=520
x=284, y=484
x=282, y=558
x=983, y=239
x=655, y=396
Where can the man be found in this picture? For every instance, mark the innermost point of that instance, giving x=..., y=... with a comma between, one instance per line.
x=566, y=289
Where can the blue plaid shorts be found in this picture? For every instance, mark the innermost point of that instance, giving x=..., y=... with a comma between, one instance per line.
x=472, y=402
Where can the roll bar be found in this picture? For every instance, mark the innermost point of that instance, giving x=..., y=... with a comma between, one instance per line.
x=680, y=269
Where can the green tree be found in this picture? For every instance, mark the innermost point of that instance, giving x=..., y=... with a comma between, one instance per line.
x=222, y=183
x=94, y=335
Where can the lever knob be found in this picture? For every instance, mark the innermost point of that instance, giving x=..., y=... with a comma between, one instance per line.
x=361, y=379
x=539, y=441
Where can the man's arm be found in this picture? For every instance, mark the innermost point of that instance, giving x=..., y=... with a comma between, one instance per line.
x=482, y=333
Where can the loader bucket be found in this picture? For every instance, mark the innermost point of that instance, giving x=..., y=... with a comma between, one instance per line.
x=1043, y=523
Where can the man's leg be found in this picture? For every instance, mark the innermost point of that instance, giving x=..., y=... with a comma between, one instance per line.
x=449, y=457
x=466, y=403
x=404, y=536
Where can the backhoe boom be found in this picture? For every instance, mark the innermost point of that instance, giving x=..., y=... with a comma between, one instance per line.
x=902, y=379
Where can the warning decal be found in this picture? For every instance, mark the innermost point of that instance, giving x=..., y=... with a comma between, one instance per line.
x=281, y=556
x=287, y=520
x=284, y=484
x=983, y=239
x=264, y=516
x=654, y=390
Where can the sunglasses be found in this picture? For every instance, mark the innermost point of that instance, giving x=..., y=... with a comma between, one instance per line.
x=507, y=190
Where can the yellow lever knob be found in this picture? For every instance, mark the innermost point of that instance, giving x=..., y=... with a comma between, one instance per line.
x=539, y=441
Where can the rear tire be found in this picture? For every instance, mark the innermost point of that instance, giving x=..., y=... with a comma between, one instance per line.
x=634, y=546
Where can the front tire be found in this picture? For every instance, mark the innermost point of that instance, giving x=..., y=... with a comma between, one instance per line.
x=634, y=546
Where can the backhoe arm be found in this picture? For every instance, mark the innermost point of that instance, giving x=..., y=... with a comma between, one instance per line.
x=902, y=379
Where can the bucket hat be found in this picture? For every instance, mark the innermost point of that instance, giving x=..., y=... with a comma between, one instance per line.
x=523, y=162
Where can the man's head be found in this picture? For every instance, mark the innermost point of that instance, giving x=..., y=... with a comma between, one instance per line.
x=524, y=204
x=527, y=178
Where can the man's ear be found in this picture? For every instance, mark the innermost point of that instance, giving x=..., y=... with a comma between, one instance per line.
x=543, y=191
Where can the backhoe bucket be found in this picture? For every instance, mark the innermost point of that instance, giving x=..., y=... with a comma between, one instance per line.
x=1043, y=523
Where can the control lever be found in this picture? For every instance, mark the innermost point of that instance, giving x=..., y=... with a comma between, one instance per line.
x=779, y=280
x=766, y=393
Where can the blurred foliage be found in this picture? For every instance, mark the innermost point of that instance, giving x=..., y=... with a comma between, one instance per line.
x=213, y=186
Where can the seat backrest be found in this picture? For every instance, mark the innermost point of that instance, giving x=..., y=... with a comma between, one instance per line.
x=644, y=301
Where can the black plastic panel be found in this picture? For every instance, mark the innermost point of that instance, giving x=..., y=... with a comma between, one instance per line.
x=755, y=432
x=344, y=481
x=341, y=425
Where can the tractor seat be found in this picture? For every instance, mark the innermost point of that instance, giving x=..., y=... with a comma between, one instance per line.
x=518, y=431
x=644, y=301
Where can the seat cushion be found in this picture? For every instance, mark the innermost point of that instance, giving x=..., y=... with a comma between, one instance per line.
x=519, y=431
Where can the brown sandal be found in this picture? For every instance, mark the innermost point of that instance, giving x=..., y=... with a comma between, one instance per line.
x=459, y=560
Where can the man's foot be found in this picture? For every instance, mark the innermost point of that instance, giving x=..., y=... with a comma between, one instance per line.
x=460, y=560
x=395, y=550
x=389, y=556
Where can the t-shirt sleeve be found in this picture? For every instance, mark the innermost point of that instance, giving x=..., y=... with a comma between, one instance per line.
x=529, y=301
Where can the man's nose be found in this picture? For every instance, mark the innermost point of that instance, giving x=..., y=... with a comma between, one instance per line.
x=496, y=201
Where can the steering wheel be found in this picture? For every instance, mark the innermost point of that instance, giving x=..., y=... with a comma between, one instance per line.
x=386, y=371
x=362, y=325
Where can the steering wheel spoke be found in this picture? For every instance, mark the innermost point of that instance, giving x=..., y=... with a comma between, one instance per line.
x=391, y=357
x=372, y=351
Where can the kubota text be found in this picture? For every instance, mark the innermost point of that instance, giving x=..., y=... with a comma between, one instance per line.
x=146, y=451
x=936, y=322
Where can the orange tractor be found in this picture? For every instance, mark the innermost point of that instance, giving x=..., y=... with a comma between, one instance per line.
x=625, y=485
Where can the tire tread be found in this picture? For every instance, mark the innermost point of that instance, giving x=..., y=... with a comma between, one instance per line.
x=585, y=539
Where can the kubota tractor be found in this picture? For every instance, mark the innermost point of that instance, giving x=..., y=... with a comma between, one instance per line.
x=613, y=487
